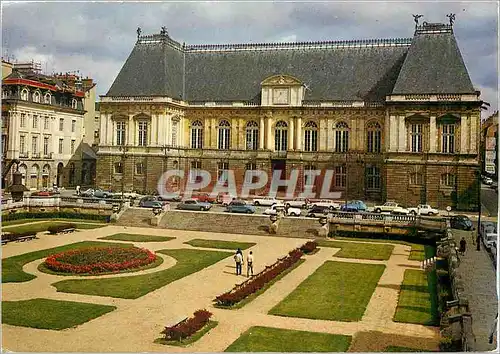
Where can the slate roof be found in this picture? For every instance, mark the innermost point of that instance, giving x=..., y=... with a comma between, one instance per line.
x=434, y=64
x=366, y=70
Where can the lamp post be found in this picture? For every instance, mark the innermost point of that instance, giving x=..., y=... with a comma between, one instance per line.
x=123, y=150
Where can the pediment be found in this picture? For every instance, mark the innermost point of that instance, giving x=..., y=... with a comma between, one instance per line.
x=278, y=80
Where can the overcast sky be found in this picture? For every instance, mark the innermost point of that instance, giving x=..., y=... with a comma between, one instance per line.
x=96, y=38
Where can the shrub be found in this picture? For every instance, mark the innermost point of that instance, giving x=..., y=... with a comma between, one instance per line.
x=15, y=235
x=241, y=291
x=53, y=215
x=309, y=247
x=54, y=229
x=188, y=327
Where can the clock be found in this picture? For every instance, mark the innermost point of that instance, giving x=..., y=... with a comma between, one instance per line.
x=280, y=96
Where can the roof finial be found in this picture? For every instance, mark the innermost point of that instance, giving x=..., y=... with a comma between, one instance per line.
x=164, y=31
x=139, y=31
x=416, y=18
x=451, y=16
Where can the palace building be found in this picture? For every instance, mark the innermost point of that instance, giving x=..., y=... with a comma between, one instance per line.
x=394, y=119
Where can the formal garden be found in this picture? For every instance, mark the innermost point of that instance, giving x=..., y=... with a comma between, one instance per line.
x=308, y=296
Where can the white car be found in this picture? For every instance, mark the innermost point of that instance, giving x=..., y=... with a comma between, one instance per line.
x=297, y=203
x=423, y=209
x=490, y=241
x=399, y=210
x=330, y=204
x=265, y=201
x=290, y=212
x=387, y=207
x=487, y=180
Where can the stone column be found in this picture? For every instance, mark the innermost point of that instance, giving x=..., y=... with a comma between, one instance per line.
x=432, y=134
x=402, y=134
x=464, y=132
x=161, y=127
x=393, y=133
x=153, y=130
x=474, y=123
x=261, y=133
x=299, y=134
x=131, y=130
x=291, y=144
x=321, y=143
x=269, y=137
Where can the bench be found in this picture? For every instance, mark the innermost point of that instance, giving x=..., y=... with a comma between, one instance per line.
x=67, y=231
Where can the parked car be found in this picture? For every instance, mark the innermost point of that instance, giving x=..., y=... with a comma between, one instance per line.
x=99, y=193
x=87, y=193
x=354, y=206
x=265, y=201
x=170, y=199
x=494, y=186
x=150, y=204
x=399, y=210
x=386, y=207
x=288, y=211
x=330, y=204
x=203, y=197
x=487, y=180
x=487, y=227
x=423, y=209
x=225, y=199
x=318, y=211
x=298, y=203
x=41, y=194
x=193, y=204
x=490, y=241
x=150, y=199
x=461, y=222
x=240, y=206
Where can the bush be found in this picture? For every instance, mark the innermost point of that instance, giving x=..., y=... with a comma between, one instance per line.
x=54, y=215
x=54, y=229
x=309, y=247
x=15, y=235
x=241, y=291
x=188, y=327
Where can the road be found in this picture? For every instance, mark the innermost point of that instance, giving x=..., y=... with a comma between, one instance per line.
x=489, y=200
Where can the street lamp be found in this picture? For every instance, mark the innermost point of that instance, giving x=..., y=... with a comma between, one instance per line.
x=123, y=150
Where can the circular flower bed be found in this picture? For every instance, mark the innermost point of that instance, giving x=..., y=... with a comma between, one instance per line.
x=99, y=260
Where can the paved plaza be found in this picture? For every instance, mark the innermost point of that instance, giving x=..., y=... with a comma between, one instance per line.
x=136, y=323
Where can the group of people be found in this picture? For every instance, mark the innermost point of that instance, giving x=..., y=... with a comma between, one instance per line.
x=239, y=260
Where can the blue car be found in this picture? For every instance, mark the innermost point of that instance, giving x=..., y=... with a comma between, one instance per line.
x=354, y=206
x=240, y=206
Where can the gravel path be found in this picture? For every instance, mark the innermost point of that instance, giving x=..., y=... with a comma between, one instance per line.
x=135, y=324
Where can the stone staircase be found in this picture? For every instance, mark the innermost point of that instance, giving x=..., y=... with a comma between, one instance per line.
x=139, y=217
x=239, y=224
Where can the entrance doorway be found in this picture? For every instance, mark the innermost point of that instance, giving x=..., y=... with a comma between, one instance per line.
x=60, y=171
x=279, y=165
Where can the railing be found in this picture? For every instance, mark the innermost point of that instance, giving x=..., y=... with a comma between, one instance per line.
x=59, y=202
x=345, y=215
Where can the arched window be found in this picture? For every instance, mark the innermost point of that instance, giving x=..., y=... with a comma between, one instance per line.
x=224, y=135
x=36, y=96
x=24, y=94
x=373, y=137
x=252, y=133
x=311, y=137
x=448, y=179
x=73, y=103
x=341, y=137
x=197, y=135
x=46, y=98
x=281, y=136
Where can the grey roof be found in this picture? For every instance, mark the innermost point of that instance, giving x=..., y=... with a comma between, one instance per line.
x=434, y=65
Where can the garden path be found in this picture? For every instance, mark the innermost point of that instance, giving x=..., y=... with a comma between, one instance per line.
x=135, y=324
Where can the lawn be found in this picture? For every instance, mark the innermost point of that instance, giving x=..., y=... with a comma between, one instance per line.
x=136, y=238
x=417, y=300
x=266, y=339
x=44, y=225
x=190, y=340
x=50, y=314
x=12, y=267
x=359, y=250
x=336, y=291
x=226, y=245
x=421, y=252
x=132, y=287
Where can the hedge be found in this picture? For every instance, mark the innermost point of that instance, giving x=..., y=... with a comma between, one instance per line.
x=188, y=327
x=15, y=235
x=56, y=215
x=54, y=229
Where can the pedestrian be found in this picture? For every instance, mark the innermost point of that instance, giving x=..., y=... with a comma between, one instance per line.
x=463, y=245
x=250, y=264
x=78, y=190
x=238, y=259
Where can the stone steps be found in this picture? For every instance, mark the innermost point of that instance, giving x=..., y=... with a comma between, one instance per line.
x=238, y=224
x=139, y=217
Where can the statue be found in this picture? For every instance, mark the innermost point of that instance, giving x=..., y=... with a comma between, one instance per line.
x=139, y=31
x=416, y=18
x=451, y=16
x=163, y=31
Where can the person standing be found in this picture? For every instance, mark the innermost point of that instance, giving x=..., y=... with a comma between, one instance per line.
x=78, y=190
x=238, y=258
x=463, y=246
x=250, y=264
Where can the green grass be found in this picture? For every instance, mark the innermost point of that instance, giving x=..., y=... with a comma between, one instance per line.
x=190, y=340
x=42, y=268
x=396, y=349
x=132, y=287
x=251, y=297
x=421, y=252
x=44, y=225
x=266, y=339
x=12, y=267
x=226, y=245
x=336, y=291
x=137, y=238
x=417, y=300
x=50, y=314
x=359, y=250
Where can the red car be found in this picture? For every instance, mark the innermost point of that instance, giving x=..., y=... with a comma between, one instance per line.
x=41, y=194
x=204, y=197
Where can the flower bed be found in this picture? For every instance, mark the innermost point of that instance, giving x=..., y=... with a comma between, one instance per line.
x=309, y=247
x=188, y=327
x=99, y=260
x=241, y=291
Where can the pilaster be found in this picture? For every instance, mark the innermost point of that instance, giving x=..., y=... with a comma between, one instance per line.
x=392, y=129
x=474, y=123
x=432, y=134
x=464, y=134
x=401, y=134
x=269, y=137
x=299, y=134
x=291, y=144
x=261, y=133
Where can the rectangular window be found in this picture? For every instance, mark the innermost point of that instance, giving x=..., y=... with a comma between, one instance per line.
x=61, y=124
x=309, y=177
x=46, y=123
x=416, y=137
x=22, y=144
x=22, y=123
x=120, y=133
x=197, y=138
x=35, y=122
x=73, y=126
x=373, y=178
x=72, y=146
x=310, y=140
x=448, y=138
x=193, y=172
x=139, y=168
x=118, y=167
x=340, y=176
x=34, y=145
x=143, y=133
x=341, y=140
x=61, y=145
x=448, y=180
x=174, y=133
x=281, y=140
x=374, y=141
x=222, y=171
x=224, y=138
x=250, y=172
x=46, y=146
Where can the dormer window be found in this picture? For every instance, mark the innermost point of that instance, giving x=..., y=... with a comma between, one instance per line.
x=24, y=94
x=73, y=103
x=46, y=98
x=36, y=97
x=282, y=90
